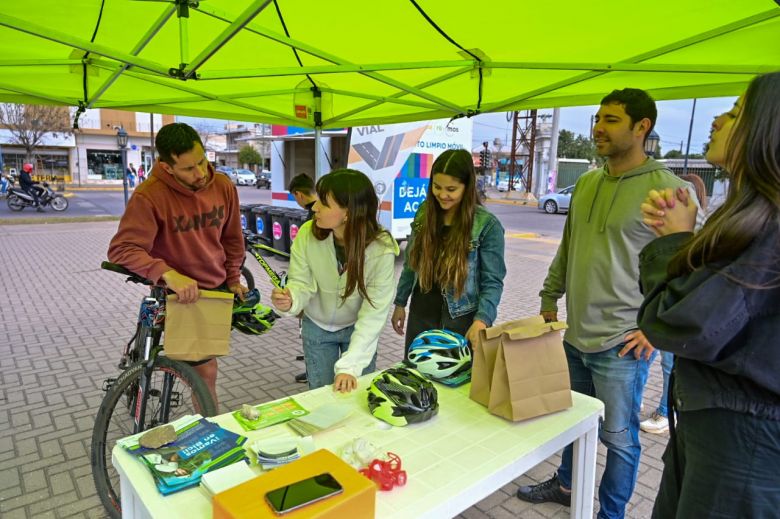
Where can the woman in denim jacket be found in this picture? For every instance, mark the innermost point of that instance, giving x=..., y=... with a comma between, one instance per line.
x=454, y=263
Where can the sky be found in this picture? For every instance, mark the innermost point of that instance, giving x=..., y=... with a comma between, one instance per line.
x=672, y=124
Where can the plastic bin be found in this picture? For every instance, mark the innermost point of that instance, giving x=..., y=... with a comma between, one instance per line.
x=280, y=229
x=247, y=217
x=262, y=218
x=297, y=217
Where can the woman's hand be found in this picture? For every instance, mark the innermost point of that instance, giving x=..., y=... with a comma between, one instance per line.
x=669, y=211
x=472, y=334
x=281, y=298
x=398, y=319
x=344, y=383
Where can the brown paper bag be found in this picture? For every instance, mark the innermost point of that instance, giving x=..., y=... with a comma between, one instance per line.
x=200, y=330
x=531, y=375
x=484, y=357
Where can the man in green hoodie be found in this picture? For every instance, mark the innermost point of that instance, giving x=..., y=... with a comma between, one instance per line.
x=597, y=267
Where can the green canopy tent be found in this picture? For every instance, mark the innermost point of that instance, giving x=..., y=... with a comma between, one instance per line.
x=341, y=63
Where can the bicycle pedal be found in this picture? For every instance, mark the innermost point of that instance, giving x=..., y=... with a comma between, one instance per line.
x=108, y=384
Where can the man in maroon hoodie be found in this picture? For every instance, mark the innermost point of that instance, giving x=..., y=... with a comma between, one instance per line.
x=182, y=226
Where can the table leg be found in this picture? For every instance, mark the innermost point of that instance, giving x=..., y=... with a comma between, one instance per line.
x=584, y=474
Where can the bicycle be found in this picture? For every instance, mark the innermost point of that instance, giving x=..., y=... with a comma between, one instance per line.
x=151, y=390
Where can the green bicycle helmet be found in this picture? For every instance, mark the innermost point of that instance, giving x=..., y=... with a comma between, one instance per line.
x=252, y=317
x=401, y=396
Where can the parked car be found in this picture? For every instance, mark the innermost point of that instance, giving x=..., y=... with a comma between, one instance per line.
x=225, y=170
x=552, y=203
x=263, y=180
x=243, y=177
x=503, y=185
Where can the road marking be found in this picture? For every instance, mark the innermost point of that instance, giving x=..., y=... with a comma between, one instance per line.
x=532, y=236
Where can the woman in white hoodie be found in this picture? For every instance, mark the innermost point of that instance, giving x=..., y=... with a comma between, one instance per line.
x=341, y=278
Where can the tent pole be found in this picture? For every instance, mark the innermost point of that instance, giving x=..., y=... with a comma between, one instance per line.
x=151, y=142
x=317, y=159
x=184, y=40
x=317, y=132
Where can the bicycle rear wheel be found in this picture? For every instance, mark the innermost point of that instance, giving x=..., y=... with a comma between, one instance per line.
x=174, y=389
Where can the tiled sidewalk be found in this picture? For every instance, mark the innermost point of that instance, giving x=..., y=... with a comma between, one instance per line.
x=64, y=322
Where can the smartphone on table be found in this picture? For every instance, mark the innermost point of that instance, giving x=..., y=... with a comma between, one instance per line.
x=301, y=493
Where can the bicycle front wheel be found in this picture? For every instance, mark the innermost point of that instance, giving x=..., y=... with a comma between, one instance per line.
x=174, y=390
x=247, y=279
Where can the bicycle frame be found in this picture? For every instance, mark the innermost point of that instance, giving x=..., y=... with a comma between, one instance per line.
x=151, y=317
x=278, y=280
x=253, y=245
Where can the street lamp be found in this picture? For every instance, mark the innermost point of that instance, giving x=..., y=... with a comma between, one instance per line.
x=651, y=143
x=121, y=141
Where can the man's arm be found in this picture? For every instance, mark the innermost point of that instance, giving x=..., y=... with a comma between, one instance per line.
x=555, y=283
x=232, y=239
x=133, y=241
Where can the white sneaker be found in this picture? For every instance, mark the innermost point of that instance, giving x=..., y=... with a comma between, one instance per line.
x=656, y=424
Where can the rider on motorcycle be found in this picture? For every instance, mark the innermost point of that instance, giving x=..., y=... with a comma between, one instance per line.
x=26, y=183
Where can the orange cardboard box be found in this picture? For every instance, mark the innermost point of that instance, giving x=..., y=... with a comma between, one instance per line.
x=247, y=501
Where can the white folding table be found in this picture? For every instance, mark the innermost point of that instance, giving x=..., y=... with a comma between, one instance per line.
x=454, y=460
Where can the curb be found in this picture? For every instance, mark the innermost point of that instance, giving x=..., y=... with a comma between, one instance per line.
x=509, y=201
x=63, y=219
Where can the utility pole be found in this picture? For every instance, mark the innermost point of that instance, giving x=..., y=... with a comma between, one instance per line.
x=526, y=141
x=552, y=158
x=690, y=131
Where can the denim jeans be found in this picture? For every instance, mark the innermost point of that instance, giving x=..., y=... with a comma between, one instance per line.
x=667, y=361
x=618, y=382
x=321, y=350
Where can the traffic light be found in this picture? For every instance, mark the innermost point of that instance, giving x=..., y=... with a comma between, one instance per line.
x=488, y=161
x=483, y=159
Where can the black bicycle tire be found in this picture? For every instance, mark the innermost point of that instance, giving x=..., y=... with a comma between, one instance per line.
x=248, y=277
x=100, y=457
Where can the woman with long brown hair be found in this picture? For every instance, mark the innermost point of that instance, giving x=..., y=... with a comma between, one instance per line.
x=454, y=267
x=341, y=277
x=713, y=299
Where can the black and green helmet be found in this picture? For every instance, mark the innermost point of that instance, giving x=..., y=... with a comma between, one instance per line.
x=252, y=317
x=401, y=396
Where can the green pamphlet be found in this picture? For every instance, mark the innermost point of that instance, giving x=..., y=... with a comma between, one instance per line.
x=271, y=413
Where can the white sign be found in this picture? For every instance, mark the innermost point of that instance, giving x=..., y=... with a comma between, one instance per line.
x=398, y=158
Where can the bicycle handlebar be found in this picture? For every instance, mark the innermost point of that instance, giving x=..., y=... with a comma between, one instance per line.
x=131, y=276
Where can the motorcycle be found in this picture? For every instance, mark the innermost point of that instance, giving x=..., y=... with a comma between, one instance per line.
x=18, y=198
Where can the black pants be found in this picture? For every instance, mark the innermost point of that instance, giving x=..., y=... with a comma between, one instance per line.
x=33, y=192
x=428, y=311
x=729, y=465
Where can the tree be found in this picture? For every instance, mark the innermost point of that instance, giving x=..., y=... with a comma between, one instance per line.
x=29, y=123
x=248, y=155
x=575, y=147
x=677, y=154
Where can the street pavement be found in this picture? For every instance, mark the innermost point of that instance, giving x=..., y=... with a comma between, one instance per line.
x=65, y=322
